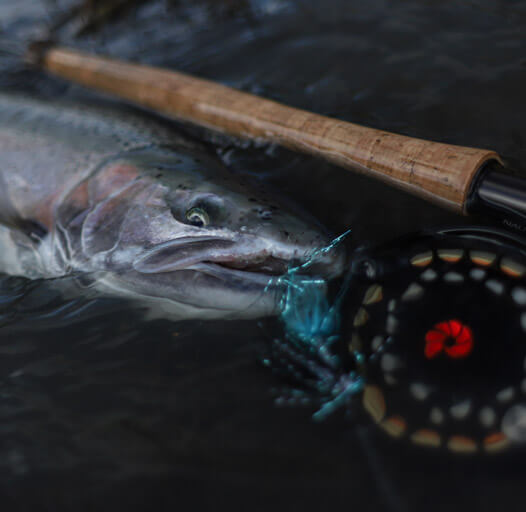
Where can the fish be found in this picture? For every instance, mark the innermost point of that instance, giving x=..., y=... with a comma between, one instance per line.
x=95, y=189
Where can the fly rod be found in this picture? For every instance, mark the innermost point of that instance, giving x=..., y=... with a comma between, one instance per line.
x=463, y=179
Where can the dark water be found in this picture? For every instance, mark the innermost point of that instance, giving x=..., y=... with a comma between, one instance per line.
x=99, y=410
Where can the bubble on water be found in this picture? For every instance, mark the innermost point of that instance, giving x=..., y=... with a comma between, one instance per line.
x=514, y=423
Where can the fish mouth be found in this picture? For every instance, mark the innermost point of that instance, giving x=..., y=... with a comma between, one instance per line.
x=248, y=259
x=265, y=275
x=269, y=265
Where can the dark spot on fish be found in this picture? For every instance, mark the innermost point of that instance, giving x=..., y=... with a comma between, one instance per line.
x=265, y=214
x=32, y=228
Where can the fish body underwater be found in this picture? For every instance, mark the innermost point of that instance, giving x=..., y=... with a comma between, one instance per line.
x=95, y=189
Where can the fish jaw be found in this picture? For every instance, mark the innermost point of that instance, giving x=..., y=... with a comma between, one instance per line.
x=209, y=277
x=243, y=253
x=167, y=296
x=218, y=277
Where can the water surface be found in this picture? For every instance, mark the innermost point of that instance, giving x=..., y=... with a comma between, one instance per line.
x=101, y=410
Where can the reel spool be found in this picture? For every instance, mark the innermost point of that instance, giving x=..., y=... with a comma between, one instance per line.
x=441, y=327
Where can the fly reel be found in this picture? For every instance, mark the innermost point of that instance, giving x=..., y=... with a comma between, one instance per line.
x=428, y=332
x=441, y=327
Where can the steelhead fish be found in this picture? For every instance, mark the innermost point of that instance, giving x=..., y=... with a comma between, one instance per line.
x=89, y=188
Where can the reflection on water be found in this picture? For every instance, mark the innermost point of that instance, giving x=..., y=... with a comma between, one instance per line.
x=98, y=406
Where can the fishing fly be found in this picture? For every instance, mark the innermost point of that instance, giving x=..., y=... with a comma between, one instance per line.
x=311, y=331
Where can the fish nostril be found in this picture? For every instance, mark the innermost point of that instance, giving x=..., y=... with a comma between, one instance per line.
x=265, y=214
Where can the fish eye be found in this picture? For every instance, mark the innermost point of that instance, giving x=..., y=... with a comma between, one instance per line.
x=197, y=217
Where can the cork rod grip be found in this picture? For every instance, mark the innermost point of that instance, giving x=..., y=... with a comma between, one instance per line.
x=439, y=172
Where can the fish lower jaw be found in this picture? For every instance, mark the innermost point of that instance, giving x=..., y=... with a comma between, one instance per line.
x=173, y=309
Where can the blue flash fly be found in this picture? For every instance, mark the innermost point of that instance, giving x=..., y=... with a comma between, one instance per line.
x=311, y=325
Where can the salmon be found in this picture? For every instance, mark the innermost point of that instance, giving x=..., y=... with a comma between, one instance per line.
x=91, y=188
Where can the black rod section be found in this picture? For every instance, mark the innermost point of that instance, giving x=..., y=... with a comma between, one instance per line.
x=500, y=195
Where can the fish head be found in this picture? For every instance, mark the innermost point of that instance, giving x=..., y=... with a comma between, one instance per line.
x=183, y=228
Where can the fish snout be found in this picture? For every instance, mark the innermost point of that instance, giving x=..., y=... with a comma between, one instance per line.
x=328, y=262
